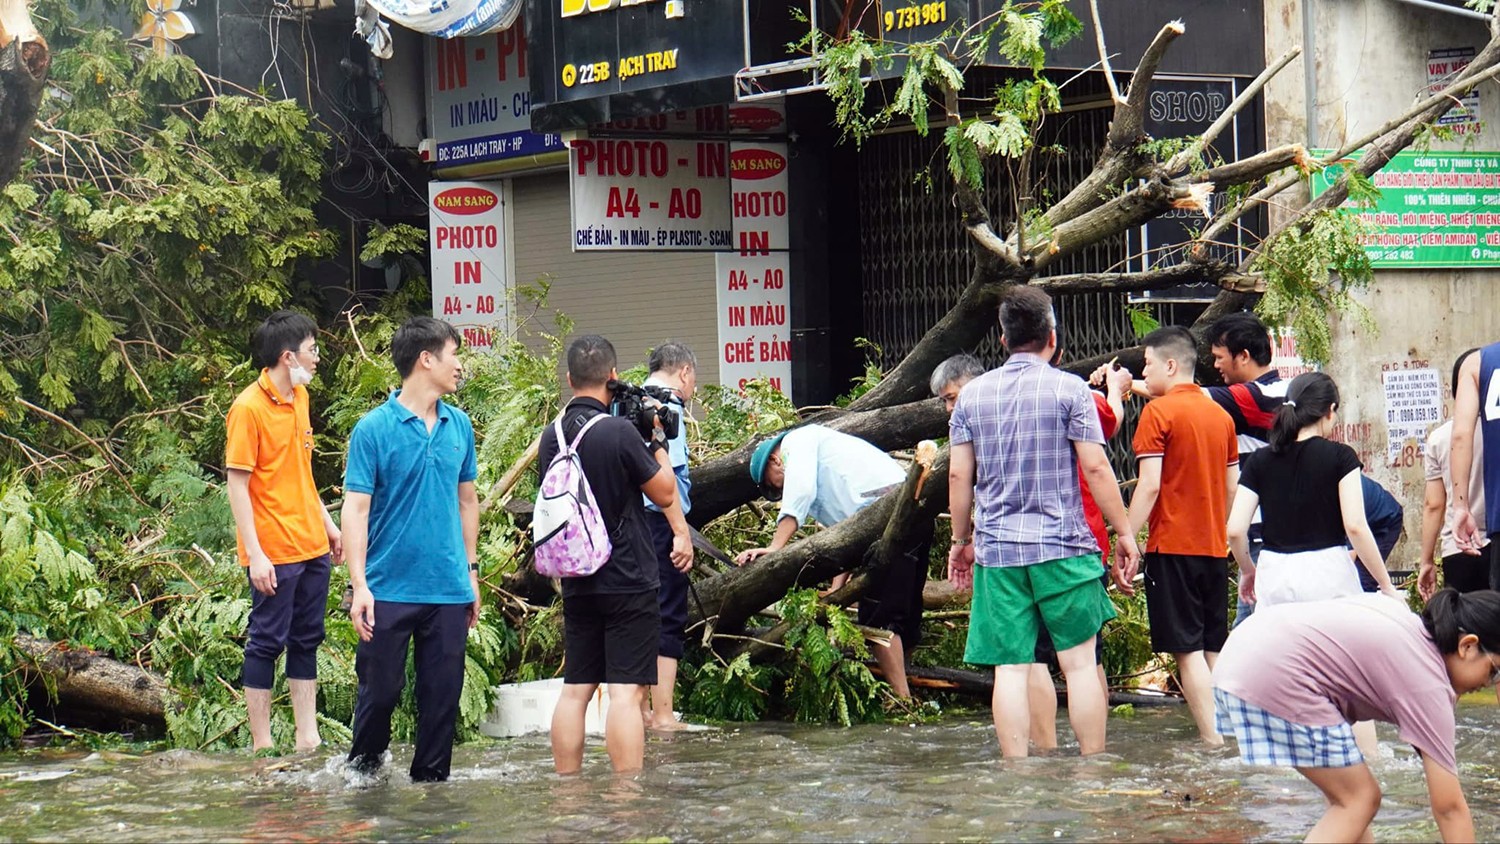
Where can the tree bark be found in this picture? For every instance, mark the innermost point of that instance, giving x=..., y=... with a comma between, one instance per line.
x=90, y=681
x=24, y=62
x=729, y=599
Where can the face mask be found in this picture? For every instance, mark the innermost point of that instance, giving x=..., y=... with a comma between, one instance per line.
x=300, y=376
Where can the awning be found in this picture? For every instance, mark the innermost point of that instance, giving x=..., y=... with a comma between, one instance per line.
x=440, y=18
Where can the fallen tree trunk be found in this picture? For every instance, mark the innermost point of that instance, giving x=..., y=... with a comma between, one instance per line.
x=89, y=681
x=730, y=598
x=24, y=62
x=981, y=684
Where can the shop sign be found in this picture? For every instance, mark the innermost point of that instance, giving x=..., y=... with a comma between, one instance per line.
x=1183, y=107
x=466, y=229
x=479, y=100
x=595, y=48
x=754, y=298
x=650, y=194
x=1436, y=209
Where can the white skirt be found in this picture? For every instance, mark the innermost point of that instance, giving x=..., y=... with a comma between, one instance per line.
x=1319, y=575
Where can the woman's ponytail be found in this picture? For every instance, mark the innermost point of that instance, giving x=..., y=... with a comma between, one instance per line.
x=1450, y=615
x=1309, y=398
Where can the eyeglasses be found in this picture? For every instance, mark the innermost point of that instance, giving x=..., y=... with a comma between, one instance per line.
x=311, y=350
x=1494, y=667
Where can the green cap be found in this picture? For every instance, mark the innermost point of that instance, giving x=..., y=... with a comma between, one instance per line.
x=762, y=455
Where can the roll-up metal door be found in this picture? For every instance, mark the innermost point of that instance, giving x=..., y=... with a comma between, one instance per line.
x=635, y=299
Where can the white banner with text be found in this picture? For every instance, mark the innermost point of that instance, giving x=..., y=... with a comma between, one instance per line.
x=467, y=242
x=754, y=300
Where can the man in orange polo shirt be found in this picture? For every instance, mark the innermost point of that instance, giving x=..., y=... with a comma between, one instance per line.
x=287, y=541
x=1188, y=467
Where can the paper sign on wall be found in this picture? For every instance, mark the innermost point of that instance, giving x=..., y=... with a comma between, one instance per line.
x=466, y=228
x=1443, y=67
x=754, y=301
x=650, y=193
x=1413, y=404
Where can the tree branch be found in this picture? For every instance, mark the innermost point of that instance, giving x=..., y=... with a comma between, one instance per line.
x=1121, y=159
x=1109, y=73
x=1256, y=167
x=1129, y=124
x=1221, y=273
x=1186, y=157
x=977, y=224
x=1130, y=209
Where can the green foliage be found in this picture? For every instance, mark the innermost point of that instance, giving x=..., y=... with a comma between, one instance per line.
x=869, y=378
x=1127, y=639
x=1142, y=320
x=822, y=684
x=1311, y=271
x=736, y=691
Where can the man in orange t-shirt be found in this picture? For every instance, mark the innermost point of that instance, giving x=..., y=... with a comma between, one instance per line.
x=287, y=541
x=1188, y=467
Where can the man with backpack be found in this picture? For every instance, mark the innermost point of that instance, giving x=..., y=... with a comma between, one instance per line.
x=611, y=621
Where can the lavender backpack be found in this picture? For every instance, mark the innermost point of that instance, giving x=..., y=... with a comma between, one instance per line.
x=568, y=535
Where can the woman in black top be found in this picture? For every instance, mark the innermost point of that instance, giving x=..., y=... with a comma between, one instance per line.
x=1309, y=493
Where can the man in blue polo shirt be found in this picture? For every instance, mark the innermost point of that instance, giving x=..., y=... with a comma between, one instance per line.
x=411, y=525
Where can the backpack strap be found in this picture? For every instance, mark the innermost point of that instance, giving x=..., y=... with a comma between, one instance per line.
x=563, y=444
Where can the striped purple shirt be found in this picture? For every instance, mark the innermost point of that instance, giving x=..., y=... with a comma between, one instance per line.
x=1023, y=419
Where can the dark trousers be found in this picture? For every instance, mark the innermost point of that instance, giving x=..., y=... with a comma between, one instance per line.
x=672, y=593
x=440, y=632
x=1467, y=572
x=1494, y=552
x=290, y=620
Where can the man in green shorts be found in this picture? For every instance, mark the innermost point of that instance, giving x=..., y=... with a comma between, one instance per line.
x=1019, y=436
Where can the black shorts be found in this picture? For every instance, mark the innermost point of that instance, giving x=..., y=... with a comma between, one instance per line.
x=611, y=639
x=1187, y=602
x=894, y=600
x=1467, y=572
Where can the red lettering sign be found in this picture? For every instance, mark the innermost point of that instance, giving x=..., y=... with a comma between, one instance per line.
x=755, y=164
x=755, y=118
x=466, y=200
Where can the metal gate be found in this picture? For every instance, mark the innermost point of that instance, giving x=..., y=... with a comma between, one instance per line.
x=916, y=259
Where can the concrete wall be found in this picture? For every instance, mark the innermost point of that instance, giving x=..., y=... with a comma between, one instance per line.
x=1369, y=65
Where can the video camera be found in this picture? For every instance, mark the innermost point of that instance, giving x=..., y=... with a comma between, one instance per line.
x=642, y=406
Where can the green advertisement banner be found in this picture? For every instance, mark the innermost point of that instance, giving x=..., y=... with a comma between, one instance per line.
x=1436, y=209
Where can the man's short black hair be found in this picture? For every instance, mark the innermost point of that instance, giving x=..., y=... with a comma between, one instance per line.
x=591, y=359
x=1026, y=318
x=1174, y=342
x=417, y=335
x=283, y=331
x=1242, y=332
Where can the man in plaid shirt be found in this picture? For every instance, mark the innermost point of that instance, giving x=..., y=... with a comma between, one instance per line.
x=1019, y=436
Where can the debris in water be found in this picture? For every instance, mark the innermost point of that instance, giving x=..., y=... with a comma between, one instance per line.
x=35, y=776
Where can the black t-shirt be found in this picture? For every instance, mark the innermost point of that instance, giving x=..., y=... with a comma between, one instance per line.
x=616, y=462
x=1299, y=493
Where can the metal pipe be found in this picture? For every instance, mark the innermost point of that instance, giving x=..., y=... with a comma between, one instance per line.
x=1440, y=7
x=1310, y=73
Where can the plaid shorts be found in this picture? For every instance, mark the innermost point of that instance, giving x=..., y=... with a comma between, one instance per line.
x=1266, y=739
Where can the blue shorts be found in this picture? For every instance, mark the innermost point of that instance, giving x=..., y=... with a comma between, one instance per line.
x=1267, y=739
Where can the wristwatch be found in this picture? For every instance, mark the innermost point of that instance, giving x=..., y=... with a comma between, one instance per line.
x=957, y=541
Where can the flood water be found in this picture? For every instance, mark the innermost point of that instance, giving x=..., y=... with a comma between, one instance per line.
x=761, y=782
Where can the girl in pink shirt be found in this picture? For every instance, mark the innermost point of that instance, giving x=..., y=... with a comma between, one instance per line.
x=1293, y=678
